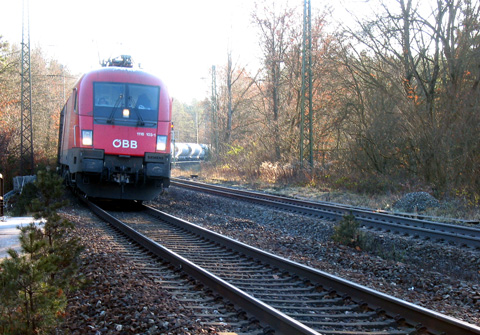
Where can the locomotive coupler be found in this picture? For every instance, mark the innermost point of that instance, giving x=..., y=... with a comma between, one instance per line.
x=122, y=177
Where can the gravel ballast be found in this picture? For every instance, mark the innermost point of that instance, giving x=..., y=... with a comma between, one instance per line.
x=118, y=297
x=442, y=278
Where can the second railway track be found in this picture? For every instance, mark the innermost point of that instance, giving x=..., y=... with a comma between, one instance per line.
x=458, y=234
x=291, y=297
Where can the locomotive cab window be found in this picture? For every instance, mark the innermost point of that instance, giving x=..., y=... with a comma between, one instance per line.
x=125, y=104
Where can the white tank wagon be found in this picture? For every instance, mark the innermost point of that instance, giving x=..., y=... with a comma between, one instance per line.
x=182, y=151
x=190, y=152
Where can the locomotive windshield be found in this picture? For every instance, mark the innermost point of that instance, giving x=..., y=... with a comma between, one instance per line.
x=125, y=104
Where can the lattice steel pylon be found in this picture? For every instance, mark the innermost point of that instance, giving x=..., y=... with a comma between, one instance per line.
x=26, y=130
x=306, y=105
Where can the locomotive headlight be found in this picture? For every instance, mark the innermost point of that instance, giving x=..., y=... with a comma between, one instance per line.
x=87, y=137
x=161, y=142
x=126, y=113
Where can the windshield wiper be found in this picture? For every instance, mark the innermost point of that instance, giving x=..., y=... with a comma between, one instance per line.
x=135, y=108
x=114, y=109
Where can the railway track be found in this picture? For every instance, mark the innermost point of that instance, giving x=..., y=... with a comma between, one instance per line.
x=458, y=234
x=209, y=309
x=292, y=298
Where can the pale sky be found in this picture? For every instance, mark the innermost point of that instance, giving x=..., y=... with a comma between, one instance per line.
x=177, y=40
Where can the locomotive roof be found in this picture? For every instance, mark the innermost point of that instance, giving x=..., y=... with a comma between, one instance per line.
x=102, y=74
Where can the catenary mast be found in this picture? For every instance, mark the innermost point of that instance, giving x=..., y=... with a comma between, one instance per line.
x=26, y=141
x=306, y=112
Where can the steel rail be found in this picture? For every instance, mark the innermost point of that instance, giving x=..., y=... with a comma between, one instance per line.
x=277, y=320
x=326, y=203
x=436, y=322
x=210, y=311
x=462, y=235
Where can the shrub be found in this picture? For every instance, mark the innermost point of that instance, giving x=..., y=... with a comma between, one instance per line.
x=34, y=284
x=347, y=231
x=24, y=199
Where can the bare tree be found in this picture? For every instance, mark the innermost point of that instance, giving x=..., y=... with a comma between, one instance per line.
x=238, y=88
x=415, y=71
x=275, y=31
x=49, y=82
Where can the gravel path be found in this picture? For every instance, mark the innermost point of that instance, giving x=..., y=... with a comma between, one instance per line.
x=445, y=279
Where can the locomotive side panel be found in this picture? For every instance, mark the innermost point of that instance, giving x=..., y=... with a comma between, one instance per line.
x=70, y=124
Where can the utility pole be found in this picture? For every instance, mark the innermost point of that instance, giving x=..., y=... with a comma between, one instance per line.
x=214, y=108
x=306, y=106
x=26, y=129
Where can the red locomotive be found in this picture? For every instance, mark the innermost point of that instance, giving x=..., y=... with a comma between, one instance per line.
x=115, y=132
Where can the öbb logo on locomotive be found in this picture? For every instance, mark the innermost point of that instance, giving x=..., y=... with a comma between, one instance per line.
x=132, y=144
